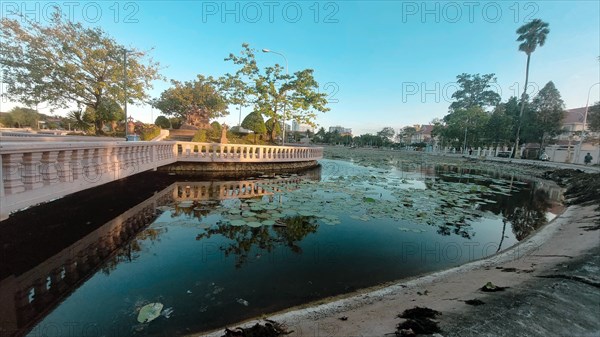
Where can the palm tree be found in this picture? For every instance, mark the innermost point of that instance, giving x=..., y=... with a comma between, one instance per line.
x=531, y=35
x=78, y=118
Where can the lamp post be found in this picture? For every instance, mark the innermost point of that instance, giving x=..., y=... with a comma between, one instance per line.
x=587, y=105
x=286, y=73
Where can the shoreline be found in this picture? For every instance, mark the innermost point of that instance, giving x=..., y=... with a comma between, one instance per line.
x=372, y=311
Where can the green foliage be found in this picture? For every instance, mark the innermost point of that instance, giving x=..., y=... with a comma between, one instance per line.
x=163, y=122
x=279, y=95
x=212, y=135
x=175, y=122
x=192, y=99
x=79, y=121
x=545, y=119
x=320, y=136
x=475, y=91
x=386, y=133
x=107, y=111
x=147, y=131
x=405, y=136
x=255, y=122
x=531, y=35
x=66, y=63
x=499, y=129
x=472, y=120
x=216, y=128
x=201, y=136
x=21, y=117
x=273, y=128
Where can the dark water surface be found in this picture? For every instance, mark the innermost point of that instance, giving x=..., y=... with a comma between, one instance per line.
x=216, y=252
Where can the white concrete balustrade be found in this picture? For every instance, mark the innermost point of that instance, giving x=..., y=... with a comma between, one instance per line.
x=204, y=152
x=35, y=172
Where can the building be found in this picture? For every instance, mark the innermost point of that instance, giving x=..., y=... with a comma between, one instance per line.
x=423, y=134
x=572, y=123
x=341, y=130
x=300, y=127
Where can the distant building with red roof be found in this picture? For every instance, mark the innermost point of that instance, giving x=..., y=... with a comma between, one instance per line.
x=423, y=134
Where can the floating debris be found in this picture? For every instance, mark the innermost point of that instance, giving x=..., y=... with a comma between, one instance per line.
x=474, y=302
x=149, y=312
x=167, y=312
x=269, y=329
x=419, y=312
x=242, y=302
x=490, y=287
x=418, y=321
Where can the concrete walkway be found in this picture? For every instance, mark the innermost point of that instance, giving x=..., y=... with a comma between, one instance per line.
x=538, y=163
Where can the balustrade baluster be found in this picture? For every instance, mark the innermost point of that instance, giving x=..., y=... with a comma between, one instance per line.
x=32, y=179
x=12, y=164
x=48, y=168
x=76, y=165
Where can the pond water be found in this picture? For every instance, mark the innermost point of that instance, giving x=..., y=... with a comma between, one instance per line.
x=216, y=252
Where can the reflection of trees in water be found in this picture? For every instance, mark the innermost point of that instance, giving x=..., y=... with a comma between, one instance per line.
x=460, y=228
x=196, y=209
x=530, y=215
x=131, y=250
x=525, y=208
x=291, y=231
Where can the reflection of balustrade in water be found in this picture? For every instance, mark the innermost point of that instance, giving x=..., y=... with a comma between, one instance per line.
x=229, y=189
x=27, y=297
x=38, y=172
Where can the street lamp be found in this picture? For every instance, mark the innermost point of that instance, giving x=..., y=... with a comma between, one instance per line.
x=587, y=105
x=287, y=74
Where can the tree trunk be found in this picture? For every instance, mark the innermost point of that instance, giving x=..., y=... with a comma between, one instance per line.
x=523, y=100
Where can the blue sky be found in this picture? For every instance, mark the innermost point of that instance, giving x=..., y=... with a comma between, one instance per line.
x=383, y=63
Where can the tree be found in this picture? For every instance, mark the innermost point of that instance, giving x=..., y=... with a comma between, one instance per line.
x=320, y=135
x=21, y=117
x=499, y=129
x=78, y=120
x=163, y=122
x=387, y=133
x=274, y=92
x=255, y=122
x=108, y=111
x=548, y=113
x=407, y=133
x=196, y=102
x=594, y=117
x=531, y=35
x=475, y=91
x=235, y=90
x=273, y=128
x=65, y=64
x=466, y=127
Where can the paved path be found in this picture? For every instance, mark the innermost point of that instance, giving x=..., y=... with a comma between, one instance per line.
x=549, y=164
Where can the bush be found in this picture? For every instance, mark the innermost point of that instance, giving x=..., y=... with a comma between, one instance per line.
x=147, y=131
x=163, y=122
x=201, y=136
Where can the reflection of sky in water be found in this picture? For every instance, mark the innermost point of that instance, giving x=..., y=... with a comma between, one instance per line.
x=212, y=273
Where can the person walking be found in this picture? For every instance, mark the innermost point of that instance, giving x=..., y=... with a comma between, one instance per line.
x=588, y=158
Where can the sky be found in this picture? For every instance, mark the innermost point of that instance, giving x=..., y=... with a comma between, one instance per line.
x=381, y=63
